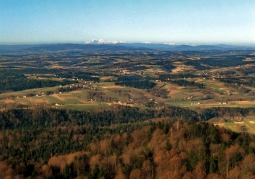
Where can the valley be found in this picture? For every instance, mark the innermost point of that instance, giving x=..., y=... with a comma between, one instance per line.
x=114, y=111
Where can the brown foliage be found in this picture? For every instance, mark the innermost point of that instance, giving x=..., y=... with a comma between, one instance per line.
x=214, y=176
x=157, y=141
x=109, y=162
x=104, y=146
x=200, y=171
x=143, y=159
x=117, y=140
x=94, y=148
x=225, y=137
x=139, y=137
x=45, y=171
x=188, y=175
x=194, y=145
x=135, y=174
x=5, y=171
x=147, y=170
x=248, y=175
x=235, y=173
x=248, y=163
x=61, y=160
x=230, y=152
x=252, y=145
x=183, y=155
x=119, y=174
x=215, y=148
x=175, y=163
x=95, y=159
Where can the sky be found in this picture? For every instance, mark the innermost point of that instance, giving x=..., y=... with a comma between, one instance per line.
x=156, y=21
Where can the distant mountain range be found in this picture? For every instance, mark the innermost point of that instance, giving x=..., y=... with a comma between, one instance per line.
x=99, y=45
x=102, y=41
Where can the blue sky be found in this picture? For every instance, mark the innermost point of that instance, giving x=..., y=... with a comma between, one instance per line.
x=159, y=21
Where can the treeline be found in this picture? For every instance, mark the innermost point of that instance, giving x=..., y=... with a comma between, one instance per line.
x=168, y=66
x=123, y=93
x=224, y=61
x=134, y=67
x=188, y=83
x=49, y=117
x=167, y=150
x=99, y=96
x=135, y=81
x=18, y=83
x=247, y=71
x=208, y=63
x=22, y=71
x=209, y=113
x=240, y=89
x=197, y=64
x=163, y=93
x=246, y=81
x=167, y=77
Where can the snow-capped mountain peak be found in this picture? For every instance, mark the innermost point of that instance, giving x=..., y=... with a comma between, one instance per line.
x=102, y=41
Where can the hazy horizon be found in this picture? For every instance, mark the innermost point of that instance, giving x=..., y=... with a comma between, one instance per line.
x=151, y=43
x=195, y=22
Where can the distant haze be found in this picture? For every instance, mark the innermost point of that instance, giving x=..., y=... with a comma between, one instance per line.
x=150, y=21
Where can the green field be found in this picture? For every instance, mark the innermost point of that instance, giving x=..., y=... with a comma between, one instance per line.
x=248, y=124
